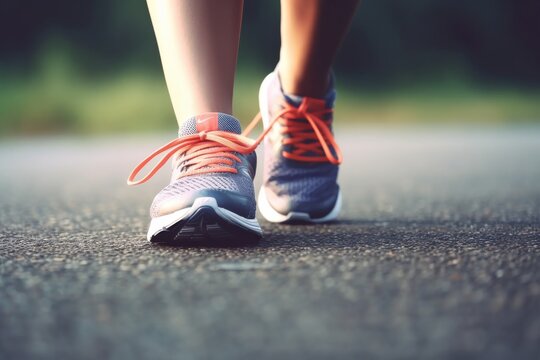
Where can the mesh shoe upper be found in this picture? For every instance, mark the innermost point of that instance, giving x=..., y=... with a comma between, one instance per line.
x=233, y=191
x=292, y=185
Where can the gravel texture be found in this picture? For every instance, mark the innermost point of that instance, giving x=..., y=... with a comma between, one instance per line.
x=436, y=255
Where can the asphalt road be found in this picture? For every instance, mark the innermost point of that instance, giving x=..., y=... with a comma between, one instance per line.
x=435, y=256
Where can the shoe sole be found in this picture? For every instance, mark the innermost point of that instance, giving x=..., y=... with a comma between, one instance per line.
x=204, y=223
x=270, y=214
x=267, y=211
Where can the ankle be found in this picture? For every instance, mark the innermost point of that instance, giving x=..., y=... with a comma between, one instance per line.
x=308, y=84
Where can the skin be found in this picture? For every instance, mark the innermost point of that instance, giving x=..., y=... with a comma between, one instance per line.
x=198, y=43
x=311, y=34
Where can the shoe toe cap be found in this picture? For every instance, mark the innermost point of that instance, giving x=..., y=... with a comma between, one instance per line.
x=316, y=204
x=243, y=205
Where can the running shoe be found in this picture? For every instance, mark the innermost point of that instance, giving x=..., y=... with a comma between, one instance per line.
x=210, y=196
x=301, y=157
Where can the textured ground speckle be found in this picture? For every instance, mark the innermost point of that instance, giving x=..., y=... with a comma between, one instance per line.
x=436, y=255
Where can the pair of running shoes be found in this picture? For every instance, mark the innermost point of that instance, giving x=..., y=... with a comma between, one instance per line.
x=211, y=195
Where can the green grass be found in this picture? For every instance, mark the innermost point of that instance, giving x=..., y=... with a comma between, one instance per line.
x=58, y=101
x=441, y=103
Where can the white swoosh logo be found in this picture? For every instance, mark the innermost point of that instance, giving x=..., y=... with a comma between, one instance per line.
x=200, y=121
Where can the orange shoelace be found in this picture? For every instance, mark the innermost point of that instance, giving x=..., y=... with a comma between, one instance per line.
x=213, y=151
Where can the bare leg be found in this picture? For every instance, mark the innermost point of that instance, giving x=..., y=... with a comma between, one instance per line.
x=198, y=43
x=311, y=33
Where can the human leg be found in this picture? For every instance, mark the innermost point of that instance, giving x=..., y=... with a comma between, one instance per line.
x=210, y=196
x=311, y=34
x=198, y=43
x=296, y=101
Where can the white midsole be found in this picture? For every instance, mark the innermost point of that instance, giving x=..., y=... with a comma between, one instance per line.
x=164, y=222
x=270, y=214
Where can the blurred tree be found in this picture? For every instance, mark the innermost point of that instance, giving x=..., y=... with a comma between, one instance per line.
x=390, y=40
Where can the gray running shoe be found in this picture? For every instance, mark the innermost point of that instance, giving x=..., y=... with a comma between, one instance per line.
x=301, y=157
x=211, y=195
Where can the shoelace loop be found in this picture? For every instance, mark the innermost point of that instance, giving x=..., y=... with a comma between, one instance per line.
x=204, y=152
x=309, y=136
x=304, y=128
x=210, y=152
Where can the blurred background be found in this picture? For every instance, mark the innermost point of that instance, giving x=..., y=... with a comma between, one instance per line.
x=93, y=67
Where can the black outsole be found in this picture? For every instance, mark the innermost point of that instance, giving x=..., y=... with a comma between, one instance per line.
x=206, y=228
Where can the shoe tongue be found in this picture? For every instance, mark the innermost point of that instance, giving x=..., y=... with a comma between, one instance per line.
x=211, y=121
x=310, y=104
x=314, y=104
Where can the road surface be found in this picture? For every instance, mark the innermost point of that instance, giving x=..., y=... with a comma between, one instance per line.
x=435, y=255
